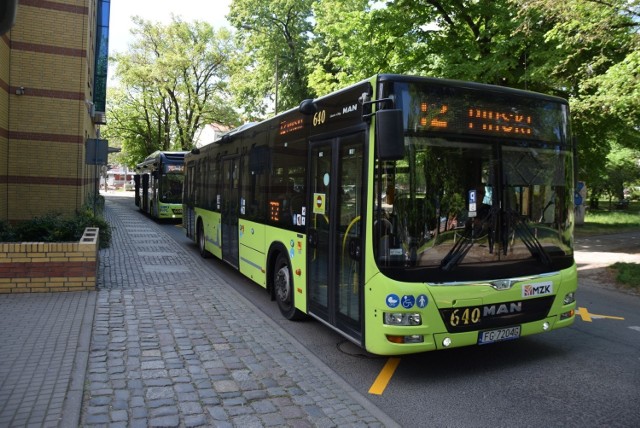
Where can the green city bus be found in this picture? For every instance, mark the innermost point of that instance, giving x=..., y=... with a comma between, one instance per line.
x=407, y=213
x=158, y=185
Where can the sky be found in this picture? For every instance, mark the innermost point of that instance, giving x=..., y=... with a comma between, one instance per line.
x=212, y=11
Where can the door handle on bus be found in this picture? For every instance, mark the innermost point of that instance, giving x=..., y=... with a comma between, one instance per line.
x=355, y=248
x=312, y=238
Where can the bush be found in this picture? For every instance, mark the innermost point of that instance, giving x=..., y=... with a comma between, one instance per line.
x=48, y=228
x=6, y=232
x=86, y=218
x=56, y=228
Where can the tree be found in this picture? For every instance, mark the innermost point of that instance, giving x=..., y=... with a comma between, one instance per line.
x=621, y=170
x=172, y=81
x=583, y=50
x=273, y=36
x=594, y=55
x=467, y=40
x=355, y=39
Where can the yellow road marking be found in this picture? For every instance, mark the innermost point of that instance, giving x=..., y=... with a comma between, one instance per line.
x=587, y=317
x=584, y=314
x=384, y=377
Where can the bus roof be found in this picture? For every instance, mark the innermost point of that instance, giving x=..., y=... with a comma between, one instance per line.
x=160, y=155
x=468, y=85
x=401, y=78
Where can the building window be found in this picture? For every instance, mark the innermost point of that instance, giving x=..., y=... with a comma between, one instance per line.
x=102, y=56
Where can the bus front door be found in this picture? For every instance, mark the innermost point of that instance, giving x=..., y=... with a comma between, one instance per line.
x=230, y=209
x=335, y=233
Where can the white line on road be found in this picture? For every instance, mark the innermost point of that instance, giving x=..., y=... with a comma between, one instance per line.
x=635, y=327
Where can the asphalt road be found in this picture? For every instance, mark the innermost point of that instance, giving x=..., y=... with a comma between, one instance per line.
x=585, y=375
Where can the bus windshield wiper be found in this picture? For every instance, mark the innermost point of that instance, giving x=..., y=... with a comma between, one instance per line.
x=461, y=248
x=529, y=239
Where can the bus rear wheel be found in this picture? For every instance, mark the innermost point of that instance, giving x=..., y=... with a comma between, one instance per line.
x=201, y=241
x=283, y=288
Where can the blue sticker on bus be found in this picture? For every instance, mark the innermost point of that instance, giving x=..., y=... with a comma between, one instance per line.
x=408, y=302
x=422, y=301
x=393, y=300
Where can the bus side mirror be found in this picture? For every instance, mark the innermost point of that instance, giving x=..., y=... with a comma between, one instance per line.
x=389, y=135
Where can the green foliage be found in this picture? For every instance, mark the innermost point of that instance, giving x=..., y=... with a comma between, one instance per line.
x=171, y=83
x=593, y=56
x=6, y=232
x=54, y=227
x=47, y=228
x=585, y=51
x=273, y=36
x=621, y=170
x=628, y=274
x=353, y=41
x=287, y=50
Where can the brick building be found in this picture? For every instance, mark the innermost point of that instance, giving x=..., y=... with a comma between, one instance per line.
x=53, y=76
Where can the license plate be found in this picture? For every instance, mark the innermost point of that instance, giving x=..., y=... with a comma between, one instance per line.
x=498, y=335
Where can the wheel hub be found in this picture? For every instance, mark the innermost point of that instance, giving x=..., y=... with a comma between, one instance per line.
x=282, y=284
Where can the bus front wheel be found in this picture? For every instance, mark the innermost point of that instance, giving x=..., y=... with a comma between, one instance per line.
x=283, y=288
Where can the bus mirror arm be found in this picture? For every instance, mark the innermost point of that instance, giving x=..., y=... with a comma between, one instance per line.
x=364, y=99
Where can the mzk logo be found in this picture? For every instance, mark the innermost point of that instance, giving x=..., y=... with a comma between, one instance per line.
x=539, y=289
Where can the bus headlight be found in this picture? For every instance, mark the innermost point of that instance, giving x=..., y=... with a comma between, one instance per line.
x=569, y=298
x=402, y=318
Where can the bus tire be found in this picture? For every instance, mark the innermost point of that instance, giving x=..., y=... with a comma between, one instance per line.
x=283, y=288
x=201, y=241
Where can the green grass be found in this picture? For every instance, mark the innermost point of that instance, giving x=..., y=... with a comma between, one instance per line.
x=605, y=221
x=628, y=274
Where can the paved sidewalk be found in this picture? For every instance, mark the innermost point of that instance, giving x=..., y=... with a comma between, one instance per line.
x=44, y=344
x=163, y=342
x=604, y=250
x=174, y=345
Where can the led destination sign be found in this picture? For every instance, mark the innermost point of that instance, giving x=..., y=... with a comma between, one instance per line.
x=478, y=120
x=466, y=111
x=506, y=122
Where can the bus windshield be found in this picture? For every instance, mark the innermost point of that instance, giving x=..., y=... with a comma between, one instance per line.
x=459, y=205
x=171, y=187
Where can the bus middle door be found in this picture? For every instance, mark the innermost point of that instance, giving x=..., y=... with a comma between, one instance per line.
x=335, y=232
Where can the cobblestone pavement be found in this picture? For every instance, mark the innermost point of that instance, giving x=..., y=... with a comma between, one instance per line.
x=173, y=345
